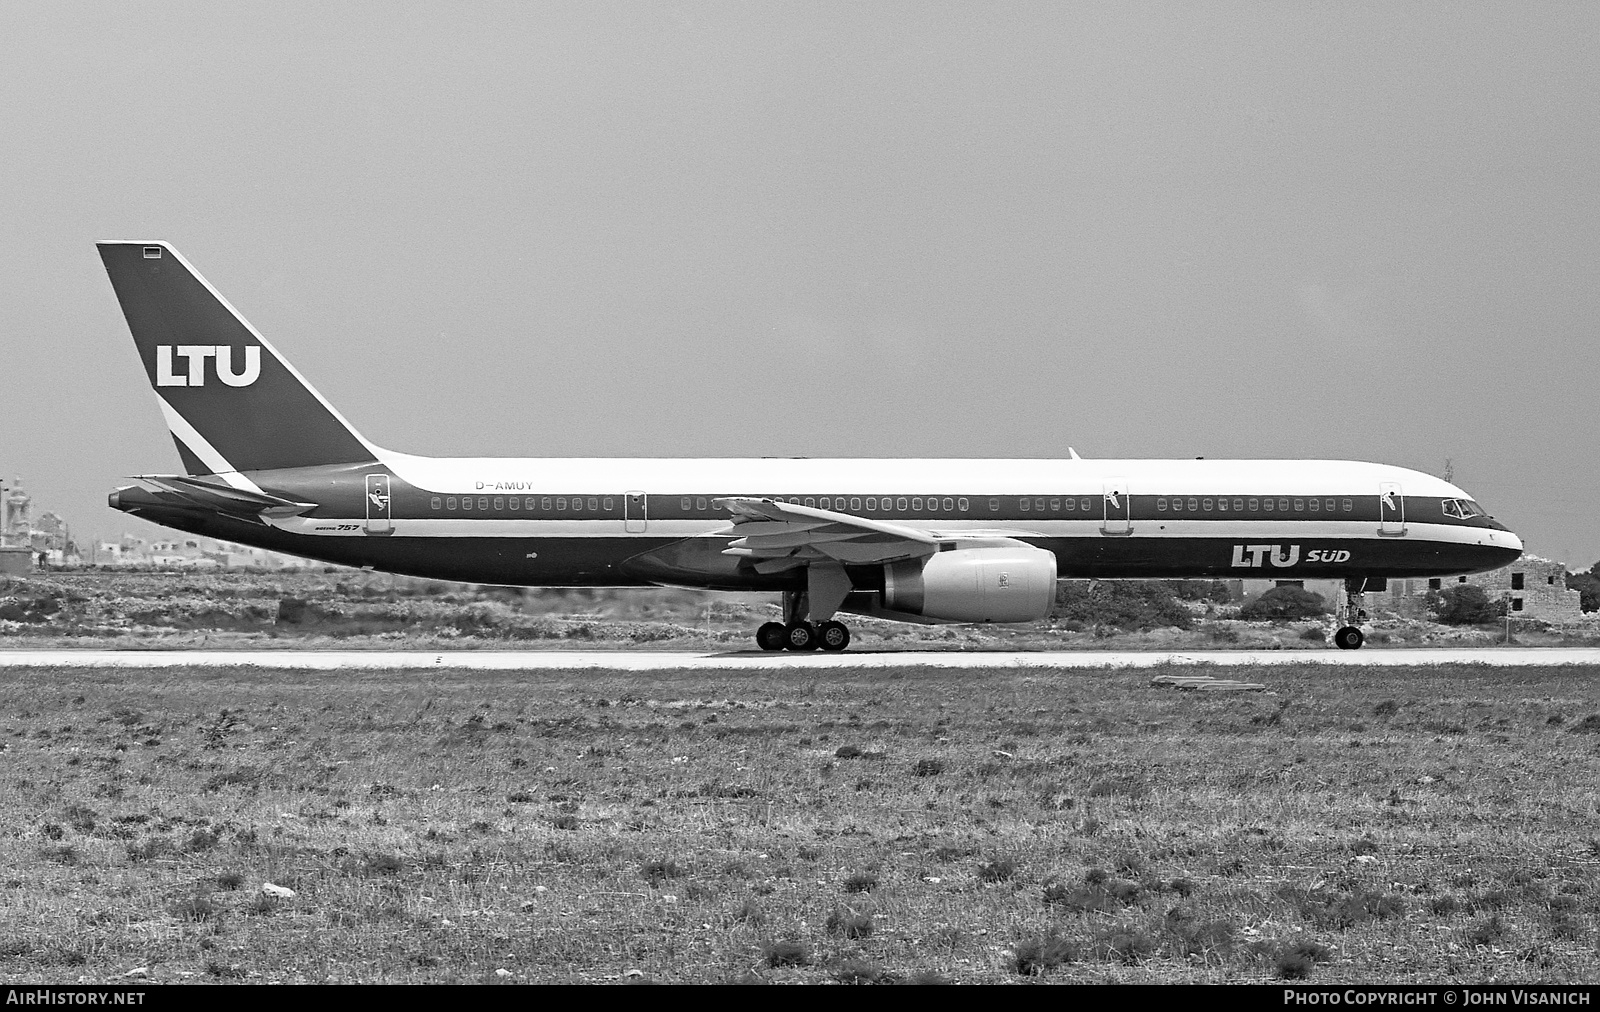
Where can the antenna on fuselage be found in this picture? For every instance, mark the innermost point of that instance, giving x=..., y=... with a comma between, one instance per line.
x=1073, y=453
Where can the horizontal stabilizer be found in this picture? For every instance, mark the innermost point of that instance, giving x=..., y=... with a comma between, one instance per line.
x=177, y=490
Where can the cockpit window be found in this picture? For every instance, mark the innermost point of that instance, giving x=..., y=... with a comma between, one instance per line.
x=1463, y=509
x=1452, y=508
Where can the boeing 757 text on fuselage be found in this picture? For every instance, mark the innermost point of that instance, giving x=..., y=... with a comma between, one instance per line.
x=270, y=463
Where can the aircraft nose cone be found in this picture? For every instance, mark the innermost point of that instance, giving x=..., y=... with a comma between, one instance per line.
x=1502, y=546
x=114, y=500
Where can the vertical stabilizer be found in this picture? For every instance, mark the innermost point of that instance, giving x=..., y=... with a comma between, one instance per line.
x=232, y=402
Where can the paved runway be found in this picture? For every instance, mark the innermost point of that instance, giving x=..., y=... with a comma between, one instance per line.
x=621, y=660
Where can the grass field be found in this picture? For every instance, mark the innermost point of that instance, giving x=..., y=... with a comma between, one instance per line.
x=1384, y=825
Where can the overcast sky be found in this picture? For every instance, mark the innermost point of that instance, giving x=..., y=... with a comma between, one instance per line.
x=936, y=229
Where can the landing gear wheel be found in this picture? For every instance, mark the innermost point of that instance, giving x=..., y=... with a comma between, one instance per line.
x=800, y=636
x=772, y=636
x=833, y=635
x=1348, y=638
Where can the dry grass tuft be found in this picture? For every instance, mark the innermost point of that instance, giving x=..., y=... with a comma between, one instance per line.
x=1035, y=954
x=785, y=952
x=998, y=870
x=849, y=924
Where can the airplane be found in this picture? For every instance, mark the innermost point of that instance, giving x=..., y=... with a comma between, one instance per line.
x=270, y=463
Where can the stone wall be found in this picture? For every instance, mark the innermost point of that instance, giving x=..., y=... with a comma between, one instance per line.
x=1536, y=588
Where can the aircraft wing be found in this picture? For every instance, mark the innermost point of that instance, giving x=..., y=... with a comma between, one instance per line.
x=179, y=490
x=781, y=535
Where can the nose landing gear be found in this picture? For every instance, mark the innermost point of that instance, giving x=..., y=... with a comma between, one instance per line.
x=1350, y=613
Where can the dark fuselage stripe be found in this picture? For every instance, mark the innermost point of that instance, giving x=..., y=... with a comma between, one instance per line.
x=416, y=504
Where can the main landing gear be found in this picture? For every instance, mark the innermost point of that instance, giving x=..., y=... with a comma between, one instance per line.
x=795, y=633
x=1350, y=613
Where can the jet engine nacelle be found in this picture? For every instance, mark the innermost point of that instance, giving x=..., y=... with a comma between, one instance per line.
x=1011, y=583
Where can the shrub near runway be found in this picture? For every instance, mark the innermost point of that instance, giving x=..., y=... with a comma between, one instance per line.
x=1398, y=825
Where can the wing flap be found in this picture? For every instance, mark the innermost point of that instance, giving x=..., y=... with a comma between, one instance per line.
x=782, y=535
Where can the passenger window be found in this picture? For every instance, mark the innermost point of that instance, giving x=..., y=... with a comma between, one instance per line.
x=1348, y=506
x=1238, y=505
x=1299, y=505
x=962, y=505
x=1266, y=505
x=1329, y=506
x=450, y=503
x=1205, y=504
x=699, y=503
x=544, y=504
x=1083, y=504
x=1161, y=505
x=683, y=504
x=561, y=504
x=1022, y=504
x=901, y=504
x=950, y=504
x=1194, y=505
x=1283, y=505
x=529, y=504
x=437, y=502
x=994, y=505
x=483, y=502
x=1255, y=505
x=1072, y=505
x=1316, y=505
x=594, y=504
x=499, y=502
x=1055, y=505
x=1222, y=505
x=515, y=503
x=855, y=505
x=872, y=504
x=1038, y=505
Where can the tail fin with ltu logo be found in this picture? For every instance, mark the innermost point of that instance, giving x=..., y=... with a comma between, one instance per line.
x=232, y=402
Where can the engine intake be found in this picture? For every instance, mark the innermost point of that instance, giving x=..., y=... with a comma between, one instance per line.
x=994, y=584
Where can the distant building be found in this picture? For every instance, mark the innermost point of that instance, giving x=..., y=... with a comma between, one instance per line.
x=1531, y=586
x=193, y=552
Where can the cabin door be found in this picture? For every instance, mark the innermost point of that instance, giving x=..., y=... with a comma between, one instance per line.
x=1391, y=510
x=633, y=513
x=379, y=519
x=1118, y=506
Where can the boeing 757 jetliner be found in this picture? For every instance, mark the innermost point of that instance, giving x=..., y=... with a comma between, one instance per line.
x=270, y=463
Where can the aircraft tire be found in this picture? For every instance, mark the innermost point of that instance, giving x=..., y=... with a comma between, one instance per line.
x=833, y=635
x=800, y=636
x=1349, y=638
x=772, y=636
